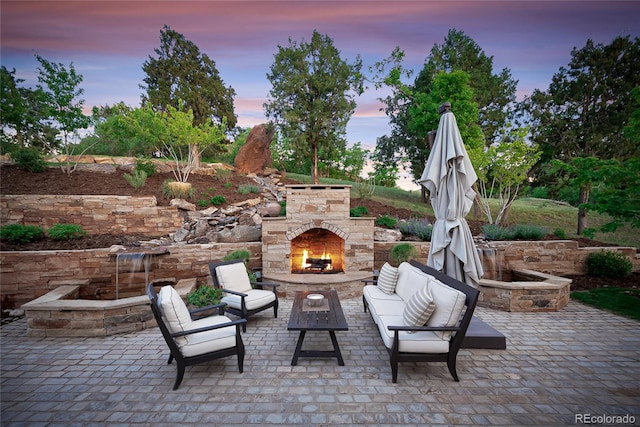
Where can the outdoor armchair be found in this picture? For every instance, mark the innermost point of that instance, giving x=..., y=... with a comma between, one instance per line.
x=243, y=298
x=194, y=341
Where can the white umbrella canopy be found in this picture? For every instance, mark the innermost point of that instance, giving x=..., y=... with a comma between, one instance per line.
x=449, y=177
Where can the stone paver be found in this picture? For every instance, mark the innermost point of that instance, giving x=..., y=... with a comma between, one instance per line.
x=577, y=361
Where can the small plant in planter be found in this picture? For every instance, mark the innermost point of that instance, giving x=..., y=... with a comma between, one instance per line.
x=18, y=233
x=205, y=296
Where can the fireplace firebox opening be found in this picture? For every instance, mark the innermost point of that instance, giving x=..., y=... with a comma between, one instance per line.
x=317, y=251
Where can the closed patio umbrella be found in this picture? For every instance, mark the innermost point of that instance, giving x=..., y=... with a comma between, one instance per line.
x=449, y=176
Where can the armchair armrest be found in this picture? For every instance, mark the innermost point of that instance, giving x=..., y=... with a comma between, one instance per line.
x=260, y=285
x=229, y=291
x=200, y=310
x=209, y=328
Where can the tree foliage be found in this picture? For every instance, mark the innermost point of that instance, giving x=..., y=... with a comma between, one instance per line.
x=22, y=122
x=587, y=107
x=184, y=78
x=312, y=97
x=61, y=91
x=492, y=95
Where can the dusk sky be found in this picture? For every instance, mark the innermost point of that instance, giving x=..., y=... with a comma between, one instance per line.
x=108, y=41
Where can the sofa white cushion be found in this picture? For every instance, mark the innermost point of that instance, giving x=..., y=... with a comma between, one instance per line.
x=420, y=342
x=233, y=277
x=255, y=298
x=380, y=303
x=410, y=280
x=449, y=305
x=419, y=308
x=388, y=278
x=205, y=342
x=175, y=312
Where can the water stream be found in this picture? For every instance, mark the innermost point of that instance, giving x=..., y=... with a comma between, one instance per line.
x=137, y=260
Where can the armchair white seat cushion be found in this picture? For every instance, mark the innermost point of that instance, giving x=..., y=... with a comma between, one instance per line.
x=255, y=298
x=175, y=312
x=449, y=304
x=208, y=341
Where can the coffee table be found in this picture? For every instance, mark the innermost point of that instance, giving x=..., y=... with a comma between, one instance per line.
x=304, y=319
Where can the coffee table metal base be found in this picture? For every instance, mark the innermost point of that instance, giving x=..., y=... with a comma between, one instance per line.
x=317, y=353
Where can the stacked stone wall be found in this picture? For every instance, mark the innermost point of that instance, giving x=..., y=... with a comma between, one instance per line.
x=95, y=214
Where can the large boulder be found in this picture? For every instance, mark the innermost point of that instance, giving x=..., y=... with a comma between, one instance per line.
x=255, y=156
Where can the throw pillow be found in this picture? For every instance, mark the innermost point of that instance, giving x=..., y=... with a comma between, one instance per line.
x=387, y=278
x=419, y=308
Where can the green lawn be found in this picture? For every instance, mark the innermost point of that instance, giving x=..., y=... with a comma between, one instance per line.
x=622, y=301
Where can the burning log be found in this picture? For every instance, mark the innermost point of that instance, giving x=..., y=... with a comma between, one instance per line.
x=318, y=263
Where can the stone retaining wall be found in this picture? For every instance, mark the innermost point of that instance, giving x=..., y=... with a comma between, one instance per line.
x=96, y=214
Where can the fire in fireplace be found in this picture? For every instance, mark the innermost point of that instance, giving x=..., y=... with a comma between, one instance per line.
x=317, y=251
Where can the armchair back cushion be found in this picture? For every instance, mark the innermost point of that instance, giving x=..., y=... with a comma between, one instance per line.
x=175, y=312
x=233, y=277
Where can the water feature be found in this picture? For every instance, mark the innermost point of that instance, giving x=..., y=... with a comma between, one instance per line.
x=136, y=260
x=492, y=260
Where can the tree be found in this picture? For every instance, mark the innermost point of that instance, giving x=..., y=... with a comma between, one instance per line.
x=586, y=109
x=61, y=88
x=23, y=112
x=312, y=97
x=184, y=78
x=492, y=94
x=505, y=168
x=419, y=114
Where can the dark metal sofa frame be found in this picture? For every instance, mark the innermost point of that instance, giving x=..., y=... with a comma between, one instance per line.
x=458, y=332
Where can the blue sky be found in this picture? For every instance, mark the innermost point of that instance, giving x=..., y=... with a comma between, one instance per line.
x=108, y=41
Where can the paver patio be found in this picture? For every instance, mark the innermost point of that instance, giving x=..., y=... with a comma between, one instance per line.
x=577, y=361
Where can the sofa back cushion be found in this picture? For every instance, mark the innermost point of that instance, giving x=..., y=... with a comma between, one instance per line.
x=410, y=280
x=234, y=277
x=449, y=304
x=388, y=278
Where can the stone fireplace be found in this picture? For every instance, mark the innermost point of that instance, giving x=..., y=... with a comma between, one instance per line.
x=317, y=237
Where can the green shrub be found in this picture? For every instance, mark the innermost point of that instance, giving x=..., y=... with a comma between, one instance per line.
x=402, y=252
x=559, y=233
x=358, y=211
x=202, y=203
x=29, y=159
x=146, y=165
x=529, y=232
x=386, y=221
x=521, y=232
x=137, y=178
x=495, y=232
x=608, y=264
x=204, y=296
x=223, y=175
x=283, y=211
x=217, y=200
x=242, y=254
x=248, y=188
x=18, y=233
x=66, y=232
x=540, y=192
x=420, y=228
